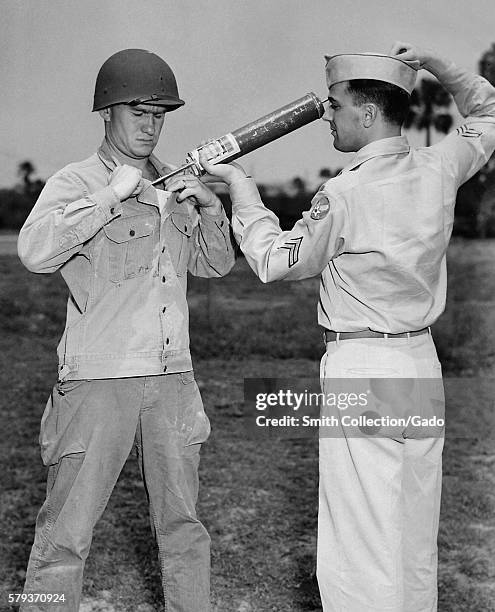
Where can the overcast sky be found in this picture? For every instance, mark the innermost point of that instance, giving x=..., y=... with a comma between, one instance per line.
x=234, y=60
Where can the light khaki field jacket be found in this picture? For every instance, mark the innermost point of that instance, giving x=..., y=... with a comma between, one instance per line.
x=125, y=265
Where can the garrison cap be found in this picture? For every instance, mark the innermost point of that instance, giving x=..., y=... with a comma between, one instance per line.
x=346, y=67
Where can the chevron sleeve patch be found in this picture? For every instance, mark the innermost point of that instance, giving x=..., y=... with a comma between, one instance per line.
x=293, y=246
x=468, y=132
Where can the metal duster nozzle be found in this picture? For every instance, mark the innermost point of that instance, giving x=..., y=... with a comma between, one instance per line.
x=173, y=173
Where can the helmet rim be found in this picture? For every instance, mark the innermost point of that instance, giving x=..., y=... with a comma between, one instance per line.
x=134, y=75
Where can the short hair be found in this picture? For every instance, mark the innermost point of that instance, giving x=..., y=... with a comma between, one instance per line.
x=393, y=101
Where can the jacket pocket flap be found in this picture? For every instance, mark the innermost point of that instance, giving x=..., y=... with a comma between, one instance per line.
x=183, y=223
x=129, y=228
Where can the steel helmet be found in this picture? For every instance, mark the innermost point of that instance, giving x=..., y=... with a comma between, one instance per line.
x=135, y=75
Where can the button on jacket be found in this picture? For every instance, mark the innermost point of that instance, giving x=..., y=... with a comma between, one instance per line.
x=125, y=264
x=377, y=233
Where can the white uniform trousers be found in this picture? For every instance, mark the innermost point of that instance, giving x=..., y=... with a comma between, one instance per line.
x=379, y=497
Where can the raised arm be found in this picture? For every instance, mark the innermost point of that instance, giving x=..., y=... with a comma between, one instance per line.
x=468, y=147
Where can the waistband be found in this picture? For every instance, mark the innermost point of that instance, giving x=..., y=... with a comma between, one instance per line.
x=332, y=336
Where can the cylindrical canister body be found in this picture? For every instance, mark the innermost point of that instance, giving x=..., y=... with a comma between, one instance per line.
x=260, y=132
x=278, y=123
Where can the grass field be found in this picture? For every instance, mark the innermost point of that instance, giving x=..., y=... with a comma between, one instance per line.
x=258, y=498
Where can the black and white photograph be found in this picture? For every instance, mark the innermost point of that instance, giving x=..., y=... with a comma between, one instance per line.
x=247, y=306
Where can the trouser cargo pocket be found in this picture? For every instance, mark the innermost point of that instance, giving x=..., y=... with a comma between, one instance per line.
x=196, y=425
x=59, y=434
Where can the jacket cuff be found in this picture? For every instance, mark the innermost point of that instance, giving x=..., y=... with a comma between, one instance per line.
x=108, y=202
x=221, y=220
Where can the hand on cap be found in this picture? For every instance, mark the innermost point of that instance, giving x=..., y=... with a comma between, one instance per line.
x=225, y=173
x=126, y=181
x=413, y=55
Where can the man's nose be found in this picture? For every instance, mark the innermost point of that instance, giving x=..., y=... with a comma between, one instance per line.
x=148, y=126
x=328, y=114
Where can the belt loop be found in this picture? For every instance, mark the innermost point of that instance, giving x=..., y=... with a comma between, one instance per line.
x=429, y=330
x=337, y=338
x=385, y=336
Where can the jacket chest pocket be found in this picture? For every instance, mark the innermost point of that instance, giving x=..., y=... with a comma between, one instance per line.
x=179, y=233
x=130, y=246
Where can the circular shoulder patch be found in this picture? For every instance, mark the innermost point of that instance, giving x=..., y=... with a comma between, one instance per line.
x=320, y=208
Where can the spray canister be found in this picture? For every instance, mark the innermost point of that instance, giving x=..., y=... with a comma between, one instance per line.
x=254, y=135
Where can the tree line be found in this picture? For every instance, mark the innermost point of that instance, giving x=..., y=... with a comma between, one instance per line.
x=430, y=112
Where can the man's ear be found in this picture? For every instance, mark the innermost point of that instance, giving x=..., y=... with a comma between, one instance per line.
x=370, y=114
x=105, y=113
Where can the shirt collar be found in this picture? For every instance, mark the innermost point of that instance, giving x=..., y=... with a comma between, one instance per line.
x=379, y=148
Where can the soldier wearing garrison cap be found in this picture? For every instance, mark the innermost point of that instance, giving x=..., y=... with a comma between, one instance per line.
x=374, y=66
x=125, y=376
x=377, y=234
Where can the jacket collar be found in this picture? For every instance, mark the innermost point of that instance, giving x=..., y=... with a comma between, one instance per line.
x=149, y=194
x=379, y=148
x=110, y=161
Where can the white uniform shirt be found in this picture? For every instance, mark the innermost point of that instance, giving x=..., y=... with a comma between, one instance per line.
x=378, y=232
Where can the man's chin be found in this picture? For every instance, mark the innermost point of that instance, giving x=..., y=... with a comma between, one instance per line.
x=342, y=148
x=143, y=149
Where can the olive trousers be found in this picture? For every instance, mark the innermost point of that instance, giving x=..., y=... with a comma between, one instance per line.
x=88, y=430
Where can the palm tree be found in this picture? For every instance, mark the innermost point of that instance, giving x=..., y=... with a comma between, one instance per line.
x=487, y=64
x=327, y=173
x=429, y=109
x=25, y=170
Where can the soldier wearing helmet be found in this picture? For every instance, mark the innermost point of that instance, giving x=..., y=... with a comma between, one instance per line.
x=125, y=376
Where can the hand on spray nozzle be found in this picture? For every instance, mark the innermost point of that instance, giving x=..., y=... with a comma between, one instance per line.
x=224, y=173
x=193, y=164
x=188, y=186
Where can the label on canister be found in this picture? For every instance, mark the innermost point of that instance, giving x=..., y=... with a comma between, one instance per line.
x=217, y=150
